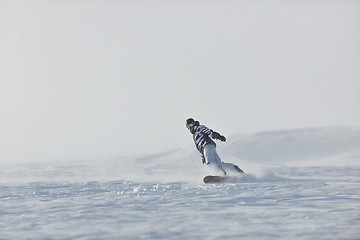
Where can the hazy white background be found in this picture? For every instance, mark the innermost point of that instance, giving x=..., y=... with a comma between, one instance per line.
x=100, y=79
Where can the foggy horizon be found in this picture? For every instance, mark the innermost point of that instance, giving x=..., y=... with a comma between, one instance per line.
x=102, y=79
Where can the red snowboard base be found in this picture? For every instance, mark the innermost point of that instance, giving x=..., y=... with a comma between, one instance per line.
x=214, y=179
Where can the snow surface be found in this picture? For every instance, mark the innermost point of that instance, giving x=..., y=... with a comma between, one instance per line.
x=300, y=184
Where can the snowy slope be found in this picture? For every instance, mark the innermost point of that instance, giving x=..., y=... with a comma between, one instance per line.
x=300, y=144
x=304, y=185
x=254, y=153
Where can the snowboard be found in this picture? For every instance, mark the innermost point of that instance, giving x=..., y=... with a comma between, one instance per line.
x=214, y=179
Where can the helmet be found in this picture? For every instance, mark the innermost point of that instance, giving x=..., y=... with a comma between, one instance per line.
x=189, y=121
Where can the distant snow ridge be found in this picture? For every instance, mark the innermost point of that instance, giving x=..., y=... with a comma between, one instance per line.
x=295, y=144
x=254, y=153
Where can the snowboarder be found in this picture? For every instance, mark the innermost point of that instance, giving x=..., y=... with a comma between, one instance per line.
x=206, y=146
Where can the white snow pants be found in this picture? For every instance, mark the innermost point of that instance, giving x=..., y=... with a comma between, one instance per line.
x=213, y=160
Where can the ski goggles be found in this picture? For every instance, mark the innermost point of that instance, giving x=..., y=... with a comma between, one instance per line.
x=190, y=126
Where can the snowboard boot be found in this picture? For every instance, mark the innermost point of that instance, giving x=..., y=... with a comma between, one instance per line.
x=238, y=169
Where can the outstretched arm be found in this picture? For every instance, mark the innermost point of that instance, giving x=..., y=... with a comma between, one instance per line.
x=216, y=135
x=211, y=133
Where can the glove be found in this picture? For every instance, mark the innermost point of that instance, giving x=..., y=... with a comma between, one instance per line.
x=218, y=136
x=222, y=138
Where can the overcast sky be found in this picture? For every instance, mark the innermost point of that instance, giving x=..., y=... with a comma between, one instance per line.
x=99, y=79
